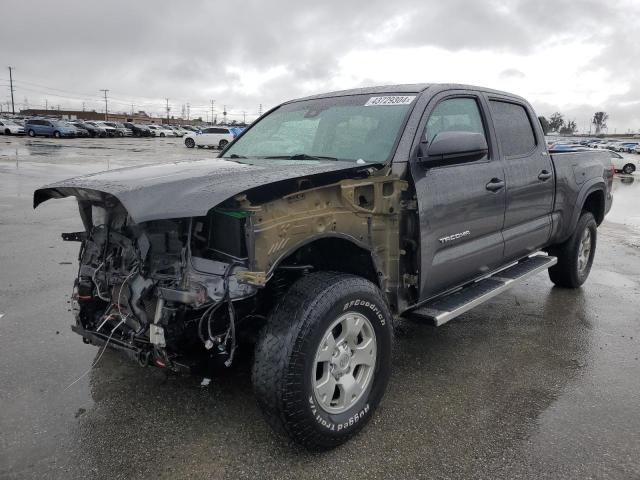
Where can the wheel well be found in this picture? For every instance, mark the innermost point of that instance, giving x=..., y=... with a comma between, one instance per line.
x=338, y=255
x=594, y=203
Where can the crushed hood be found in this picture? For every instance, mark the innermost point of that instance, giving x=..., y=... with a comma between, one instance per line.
x=186, y=188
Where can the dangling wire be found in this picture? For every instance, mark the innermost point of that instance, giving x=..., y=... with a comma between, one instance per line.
x=97, y=359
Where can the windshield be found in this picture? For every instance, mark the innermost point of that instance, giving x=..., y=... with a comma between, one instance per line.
x=356, y=127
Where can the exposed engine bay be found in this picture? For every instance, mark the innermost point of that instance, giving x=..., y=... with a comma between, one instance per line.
x=160, y=289
x=183, y=293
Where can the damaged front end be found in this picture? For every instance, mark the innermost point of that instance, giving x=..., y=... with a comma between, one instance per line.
x=166, y=292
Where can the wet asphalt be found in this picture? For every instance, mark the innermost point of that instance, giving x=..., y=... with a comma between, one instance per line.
x=537, y=383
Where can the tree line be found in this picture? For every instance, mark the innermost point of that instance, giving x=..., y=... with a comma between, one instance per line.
x=556, y=123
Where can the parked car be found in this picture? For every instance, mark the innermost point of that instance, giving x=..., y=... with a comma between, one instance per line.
x=120, y=129
x=176, y=130
x=9, y=127
x=628, y=147
x=637, y=149
x=325, y=221
x=610, y=145
x=79, y=131
x=209, y=137
x=161, y=131
x=623, y=164
x=108, y=129
x=181, y=130
x=566, y=147
x=138, y=130
x=92, y=130
x=49, y=128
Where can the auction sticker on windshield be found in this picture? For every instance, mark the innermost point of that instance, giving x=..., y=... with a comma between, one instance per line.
x=390, y=100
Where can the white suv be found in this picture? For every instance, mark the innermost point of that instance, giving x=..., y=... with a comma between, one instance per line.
x=209, y=137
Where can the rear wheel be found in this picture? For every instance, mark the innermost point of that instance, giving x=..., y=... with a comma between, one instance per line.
x=629, y=168
x=189, y=142
x=162, y=135
x=575, y=256
x=223, y=143
x=323, y=360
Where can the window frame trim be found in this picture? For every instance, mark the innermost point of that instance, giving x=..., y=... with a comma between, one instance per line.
x=536, y=140
x=484, y=116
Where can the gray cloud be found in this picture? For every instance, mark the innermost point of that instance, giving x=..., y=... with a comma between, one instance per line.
x=145, y=51
x=511, y=73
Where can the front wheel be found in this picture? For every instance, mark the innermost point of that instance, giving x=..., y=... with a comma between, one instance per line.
x=31, y=133
x=190, y=142
x=323, y=360
x=223, y=143
x=162, y=135
x=629, y=168
x=575, y=256
x=7, y=132
x=56, y=134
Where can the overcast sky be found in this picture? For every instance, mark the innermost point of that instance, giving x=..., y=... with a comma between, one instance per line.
x=573, y=56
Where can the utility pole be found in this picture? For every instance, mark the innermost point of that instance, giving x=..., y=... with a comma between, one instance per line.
x=224, y=115
x=260, y=110
x=13, y=108
x=212, y=104
x=106, y=104
x=168, y=109
x=46, y=104
x=188, y=110
x=83, y=106
x=244, y=117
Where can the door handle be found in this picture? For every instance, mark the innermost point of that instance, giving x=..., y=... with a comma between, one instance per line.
x=544, y=176
x=495, y=184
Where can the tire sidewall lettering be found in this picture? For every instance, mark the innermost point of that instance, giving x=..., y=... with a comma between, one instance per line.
x=343, y=422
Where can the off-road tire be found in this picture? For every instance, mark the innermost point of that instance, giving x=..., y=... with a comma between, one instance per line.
x=189, y=142
x=566, y=272
x=286, y=353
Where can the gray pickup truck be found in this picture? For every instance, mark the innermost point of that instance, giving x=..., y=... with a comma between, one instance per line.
x=320, y=226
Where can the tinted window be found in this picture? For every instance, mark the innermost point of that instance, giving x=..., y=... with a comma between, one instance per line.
x=454, y=115
x=513, y=127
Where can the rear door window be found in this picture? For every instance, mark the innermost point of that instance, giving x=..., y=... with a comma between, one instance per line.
x=513, y=128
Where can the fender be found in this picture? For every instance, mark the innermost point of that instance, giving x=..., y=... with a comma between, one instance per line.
x=590, y=186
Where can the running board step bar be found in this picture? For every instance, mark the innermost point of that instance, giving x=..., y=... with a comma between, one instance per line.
x=443, y=309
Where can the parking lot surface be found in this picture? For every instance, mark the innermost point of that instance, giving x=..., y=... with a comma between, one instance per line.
x=540, y=382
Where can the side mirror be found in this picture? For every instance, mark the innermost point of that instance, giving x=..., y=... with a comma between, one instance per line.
x=448, y=148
